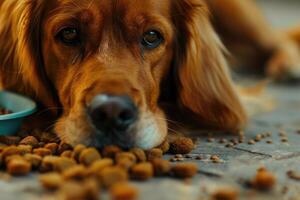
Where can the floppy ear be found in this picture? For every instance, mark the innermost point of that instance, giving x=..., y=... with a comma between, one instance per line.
x=203, y=81
x=21, y=63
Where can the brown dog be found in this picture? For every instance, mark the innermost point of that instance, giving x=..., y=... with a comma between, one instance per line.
x=108, y=65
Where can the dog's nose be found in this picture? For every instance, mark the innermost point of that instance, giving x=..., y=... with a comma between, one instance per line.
x=112, y=112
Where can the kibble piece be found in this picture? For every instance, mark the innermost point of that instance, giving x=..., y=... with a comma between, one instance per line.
x=35, y=160
x=25, y=149
x=76, y=172
x=30, y=140
x=258, y=137
x=210, y=140
x=67, y=154
x=229, y=145
x=53, y=147
x=154, y=154
x=269, y=142
x=63, y=163
x=165, y=146
x=12, y=157
x=161, y=167
x=111, y=175
x=86, y=190
x=139, y=154
x=282, y=133
x=199, y=157
x=264, y=180
x=18, y=167
x=48, y=163
x=215, y=159
x=123, y=191
x=99, y=165
x=123, y=155
x=185, y=170
x=251, y=142
x=51, y=181
x=225, y=194
x=181, y=145
x=125, y=163
x=77, y=150
x=11, y=150
x=293, y=175
x=88, y=156
x=111, y=151
x=284, y=139
x=142, y=171
x=63, y=147
x=42, y=152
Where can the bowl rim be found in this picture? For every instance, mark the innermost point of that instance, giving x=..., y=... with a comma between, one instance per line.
x=32, y=107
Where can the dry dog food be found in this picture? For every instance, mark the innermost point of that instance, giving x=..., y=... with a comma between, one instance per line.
x=181, y=145
x=111, y=151
x=18, y=167
x=42, y=152
x=99, y=165
x=161, y=167
x=35, y=160
x=139, y=154
x=88, y=156
x=4, y=111
x=111, y=175
x=154, y=154
x=51, y=181
x=142, y=171
x=76, y=172
x=77, y=150
x=264, y=180
x=30, y=140
x=184, y=170
x=53, y=147
x=225, y=194
x=72, y=190
x=293, y=175
x=10, y=140
x=123, y=191
x=165, y=146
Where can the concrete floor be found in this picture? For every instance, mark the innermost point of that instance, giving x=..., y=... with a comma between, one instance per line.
x=239, y=163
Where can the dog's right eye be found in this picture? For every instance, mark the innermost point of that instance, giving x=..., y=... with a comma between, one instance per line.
x=69, y=36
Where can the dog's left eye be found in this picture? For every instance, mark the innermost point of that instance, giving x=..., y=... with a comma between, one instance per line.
x=152, y=39
x=69, y=36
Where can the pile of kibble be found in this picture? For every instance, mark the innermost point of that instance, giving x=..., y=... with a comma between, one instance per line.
x=82, y=172
x=4, y=111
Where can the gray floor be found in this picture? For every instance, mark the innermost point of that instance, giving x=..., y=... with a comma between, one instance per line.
x=239, y=163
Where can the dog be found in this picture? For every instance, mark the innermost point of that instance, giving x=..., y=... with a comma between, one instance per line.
x=101, y=70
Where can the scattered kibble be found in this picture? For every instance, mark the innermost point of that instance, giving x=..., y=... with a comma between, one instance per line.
x=293, y=175
x=185, y=170
x=251, y=142
x=181, y=145
x=123, y=191
x=264, y=180
x=225, y=194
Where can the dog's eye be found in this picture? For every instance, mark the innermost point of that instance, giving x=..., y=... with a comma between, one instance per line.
x=69, y=36
x=152, y=39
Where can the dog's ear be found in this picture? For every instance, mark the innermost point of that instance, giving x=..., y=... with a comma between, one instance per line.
x=21, y=63
x=203, y=81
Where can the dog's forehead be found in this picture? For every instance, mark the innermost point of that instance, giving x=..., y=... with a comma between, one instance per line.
x=124, y=7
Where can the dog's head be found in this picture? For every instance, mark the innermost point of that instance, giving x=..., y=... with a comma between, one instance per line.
x=104, y=62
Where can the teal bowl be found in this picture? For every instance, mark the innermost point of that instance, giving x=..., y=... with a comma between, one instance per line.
x=21, y=108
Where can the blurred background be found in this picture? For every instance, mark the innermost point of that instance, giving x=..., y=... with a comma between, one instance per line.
x=281, y=13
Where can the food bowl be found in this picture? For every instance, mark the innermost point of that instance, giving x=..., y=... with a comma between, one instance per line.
x=20, y=106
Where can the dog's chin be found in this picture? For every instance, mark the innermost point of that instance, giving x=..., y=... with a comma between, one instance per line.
x=146, y=133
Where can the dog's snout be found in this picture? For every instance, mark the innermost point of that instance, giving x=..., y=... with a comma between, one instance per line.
x=112, y=112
